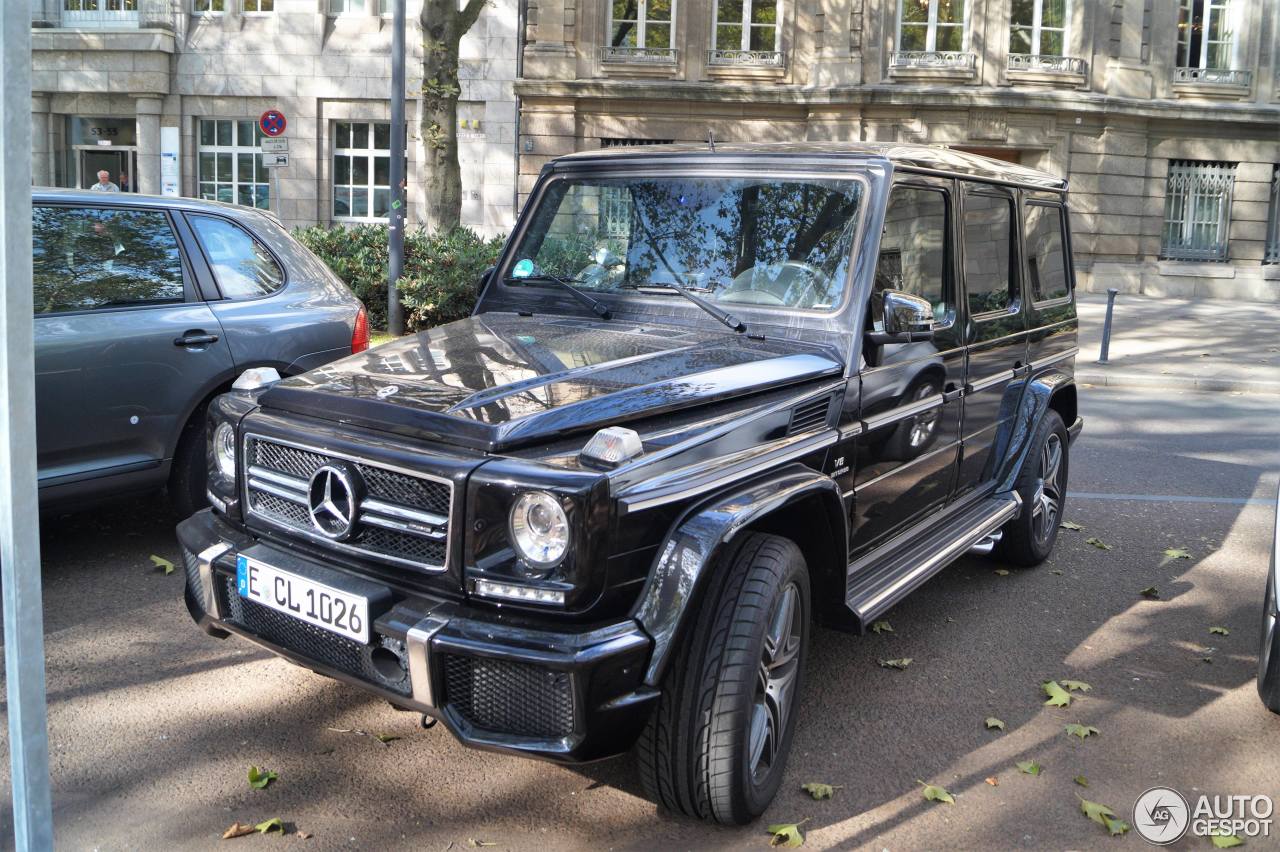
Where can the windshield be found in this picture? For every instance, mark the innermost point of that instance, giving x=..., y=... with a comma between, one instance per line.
x=782, y=242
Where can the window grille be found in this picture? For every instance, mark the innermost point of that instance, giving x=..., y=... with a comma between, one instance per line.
x=1273, y=221
x=1197, y=210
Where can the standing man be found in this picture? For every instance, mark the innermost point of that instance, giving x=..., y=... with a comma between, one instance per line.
x=124, y=182
x=104, y=183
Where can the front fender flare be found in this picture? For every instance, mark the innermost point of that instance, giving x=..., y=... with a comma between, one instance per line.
x=1032, y=405
x=700, y=535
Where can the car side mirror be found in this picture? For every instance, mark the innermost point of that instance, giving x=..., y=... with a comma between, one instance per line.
x=485, y=276
x=907, y=318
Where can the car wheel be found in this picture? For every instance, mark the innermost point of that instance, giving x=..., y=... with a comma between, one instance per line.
x=1042, y=483
x=1269, y=653
x=716, y=746
x=189, y=475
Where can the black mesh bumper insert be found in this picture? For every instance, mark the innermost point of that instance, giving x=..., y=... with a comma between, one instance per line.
x=508, y=697
x=311, y=642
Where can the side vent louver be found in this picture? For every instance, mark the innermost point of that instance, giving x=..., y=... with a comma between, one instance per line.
x=809, y=416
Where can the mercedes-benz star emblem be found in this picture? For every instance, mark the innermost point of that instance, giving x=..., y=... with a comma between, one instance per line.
x=333, y=499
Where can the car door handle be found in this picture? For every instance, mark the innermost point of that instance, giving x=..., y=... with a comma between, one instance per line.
x=195, y=339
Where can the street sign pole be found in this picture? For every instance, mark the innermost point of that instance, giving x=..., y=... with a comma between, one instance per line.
x=19, y=514
x=395, y=312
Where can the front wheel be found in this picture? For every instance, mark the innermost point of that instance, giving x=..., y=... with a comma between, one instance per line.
x=716, y=746
x=1269, y=653
x=1042, y=484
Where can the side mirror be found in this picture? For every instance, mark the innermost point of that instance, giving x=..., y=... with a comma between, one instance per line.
x=907, y=318
x=485, y=276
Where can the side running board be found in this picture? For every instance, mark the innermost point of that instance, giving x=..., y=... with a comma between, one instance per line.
x=883, y=578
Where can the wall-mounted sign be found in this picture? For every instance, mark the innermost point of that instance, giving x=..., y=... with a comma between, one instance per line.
x=272, y=122
x=275, y=161
x=170, y=174
x=274, y=146
x=103, y=131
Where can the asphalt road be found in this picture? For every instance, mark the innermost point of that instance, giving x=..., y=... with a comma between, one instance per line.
x=153, y=725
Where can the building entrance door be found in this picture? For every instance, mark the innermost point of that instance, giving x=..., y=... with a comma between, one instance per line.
x=117, y=161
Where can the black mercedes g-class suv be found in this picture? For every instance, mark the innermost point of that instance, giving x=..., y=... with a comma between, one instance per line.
x=709, y=397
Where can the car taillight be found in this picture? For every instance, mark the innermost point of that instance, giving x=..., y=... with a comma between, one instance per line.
x=360, y=334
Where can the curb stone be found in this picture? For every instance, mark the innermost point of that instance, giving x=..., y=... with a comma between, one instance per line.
x=1175, y=382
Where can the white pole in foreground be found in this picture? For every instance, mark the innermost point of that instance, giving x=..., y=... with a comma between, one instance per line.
x=19, y=512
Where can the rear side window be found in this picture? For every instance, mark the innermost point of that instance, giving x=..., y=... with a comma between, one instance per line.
x=86, y=258
x=1046, y=253
x=988, y=250
x=913, y=248
x=242, y=266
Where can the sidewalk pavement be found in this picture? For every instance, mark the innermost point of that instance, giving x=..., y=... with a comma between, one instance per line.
x=1197, y=344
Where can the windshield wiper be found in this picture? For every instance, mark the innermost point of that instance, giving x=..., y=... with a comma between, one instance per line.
x=719, y=313
x=597, y=307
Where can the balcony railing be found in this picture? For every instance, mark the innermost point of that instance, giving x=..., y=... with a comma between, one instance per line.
x=102, y=14
x=1213, y=76
x=745, y=58
x=1045, y=64
x=934, y=59
x=639, y=55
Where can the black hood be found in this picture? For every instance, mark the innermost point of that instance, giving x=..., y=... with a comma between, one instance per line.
x=496, y=381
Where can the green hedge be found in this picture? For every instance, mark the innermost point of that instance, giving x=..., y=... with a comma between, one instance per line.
x=441, y=270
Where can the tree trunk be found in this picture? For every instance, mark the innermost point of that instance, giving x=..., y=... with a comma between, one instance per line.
x=443, y=26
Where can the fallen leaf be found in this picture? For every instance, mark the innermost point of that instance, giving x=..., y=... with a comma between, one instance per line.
x=1226, y=841
x=786, y=834
x=1029, y=767
x=934, y=793
x=818, y=790
x=994, y=723
x=896, y=664
x=1081, y=780
x=1058, y=697
x=162, y=563
x=1221, y=631
x=1001, y=572
x=1103, y=816
x=1208, y=660
x=1150, y=592
x=993, y=781
x=303, y=835
x=1115, y=827
x=1076, y=685
x=273, y=824
x=237, y=829
x=1081, y=731
x=1098, y=543
x=881, y=627
x=475, y=842
x=1055, y=571
x=386, y=738
x=1176, y=553
x=1070, y=525
x=260, y=778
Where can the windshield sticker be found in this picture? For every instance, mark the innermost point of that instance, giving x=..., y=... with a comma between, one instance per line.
x=522, y=269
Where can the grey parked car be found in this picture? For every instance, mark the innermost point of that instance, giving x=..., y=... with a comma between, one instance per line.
x=145, y=309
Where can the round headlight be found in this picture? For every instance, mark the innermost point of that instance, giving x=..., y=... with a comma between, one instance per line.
x=224, y=449
x=539, y=529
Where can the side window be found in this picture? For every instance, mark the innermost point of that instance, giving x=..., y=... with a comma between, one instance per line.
x=988, y=250
x=1046, y=253
x=242, y=265
x=87, y=259
x=913, y=248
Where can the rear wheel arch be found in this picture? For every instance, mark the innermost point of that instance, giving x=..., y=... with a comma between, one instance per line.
x=1064, y=402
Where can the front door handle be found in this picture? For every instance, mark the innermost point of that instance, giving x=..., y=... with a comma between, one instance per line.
x=195, y=338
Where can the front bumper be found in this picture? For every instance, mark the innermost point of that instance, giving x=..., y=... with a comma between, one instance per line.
x=566, y=693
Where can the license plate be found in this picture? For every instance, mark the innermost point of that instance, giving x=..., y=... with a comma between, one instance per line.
x=315, y=603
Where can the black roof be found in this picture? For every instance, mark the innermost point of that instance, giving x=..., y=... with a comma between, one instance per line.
x=933, y=159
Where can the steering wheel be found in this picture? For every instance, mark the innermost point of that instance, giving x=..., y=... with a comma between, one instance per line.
x=752, y=296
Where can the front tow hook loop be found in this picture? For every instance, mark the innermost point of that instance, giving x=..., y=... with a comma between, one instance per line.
x=427, y=722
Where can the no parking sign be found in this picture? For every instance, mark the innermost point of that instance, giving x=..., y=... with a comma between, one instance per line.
x=272, y=123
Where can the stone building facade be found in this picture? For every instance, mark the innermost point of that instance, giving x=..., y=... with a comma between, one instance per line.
x=169, y=92
x=1163, y=114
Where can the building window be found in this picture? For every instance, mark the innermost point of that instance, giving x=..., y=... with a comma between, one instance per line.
x=362, y=170
x=749, y=27
x=1197, y=210
x=346, y=7
x=640, y=30
x=208, y=7
x=1273, y=220
x=229, y=163
x=930, y=25
x=1039, y=27
x=251, y=6
x=1204, y=34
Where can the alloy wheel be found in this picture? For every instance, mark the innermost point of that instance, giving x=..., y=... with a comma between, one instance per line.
x=775, y=684
x=1047, y=503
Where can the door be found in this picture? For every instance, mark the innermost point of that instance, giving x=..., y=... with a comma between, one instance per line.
x=123, y=347
x=910, y=411
x=118, y=162
x=1052, y=314
x=995, y=326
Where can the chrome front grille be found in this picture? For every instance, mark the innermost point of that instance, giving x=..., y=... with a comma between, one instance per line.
x=403, y=517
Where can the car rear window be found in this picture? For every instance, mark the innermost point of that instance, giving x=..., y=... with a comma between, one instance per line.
x=87, y=258
x=243, y=267
x=1046, y=257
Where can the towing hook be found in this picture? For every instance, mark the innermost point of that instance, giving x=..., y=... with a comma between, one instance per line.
x=427, y=722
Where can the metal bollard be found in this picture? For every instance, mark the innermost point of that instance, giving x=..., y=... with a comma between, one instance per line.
x=1106, y=325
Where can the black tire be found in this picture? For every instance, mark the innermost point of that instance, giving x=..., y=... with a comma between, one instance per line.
x=1269, y=653
x=1029, y=538
x=189, y=474
x=706, y=751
